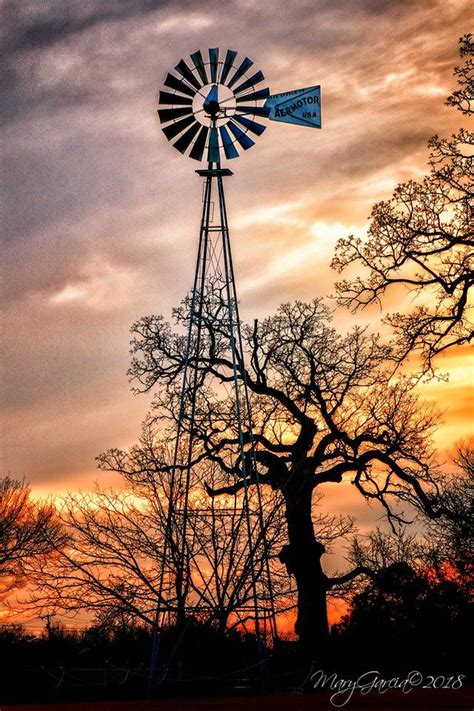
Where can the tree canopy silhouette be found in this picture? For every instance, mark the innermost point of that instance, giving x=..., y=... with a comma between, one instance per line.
x=450, y=552
x=111, y=566
x=325, y=410
x=28, y=530
x=419, y=610
x=422, y=238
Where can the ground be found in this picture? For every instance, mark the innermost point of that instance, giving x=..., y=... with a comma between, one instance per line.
x=425, y=700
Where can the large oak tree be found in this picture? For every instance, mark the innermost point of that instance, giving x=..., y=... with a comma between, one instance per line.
x=325, y=411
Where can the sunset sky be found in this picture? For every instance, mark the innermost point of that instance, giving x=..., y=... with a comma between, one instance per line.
x=101, y=213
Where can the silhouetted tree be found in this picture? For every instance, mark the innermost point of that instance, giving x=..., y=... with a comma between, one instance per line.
x=113, y=562
x=463, y=97
x=407, y=607
x=324, y=411
x=449, y=548
x=28, y=531
x=422, y=238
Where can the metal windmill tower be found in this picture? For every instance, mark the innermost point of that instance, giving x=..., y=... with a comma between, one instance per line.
x=208, y=111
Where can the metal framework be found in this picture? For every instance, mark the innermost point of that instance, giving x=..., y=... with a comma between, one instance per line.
x=208, y=110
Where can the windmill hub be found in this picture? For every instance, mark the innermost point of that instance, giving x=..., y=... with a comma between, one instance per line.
x=214, y=105
x=211, y=102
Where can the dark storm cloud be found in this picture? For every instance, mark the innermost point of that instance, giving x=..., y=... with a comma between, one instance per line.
x=41, y=24
x=45, y=23
x=333, y=31
x=28, y=28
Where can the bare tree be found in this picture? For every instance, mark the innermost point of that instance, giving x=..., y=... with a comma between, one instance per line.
x=380, y=554
x=113, y=565
x=406, y=605
x=220, y=563
x=463, y=97
x=108, y=566
x=449, y=547
x=422, y=238
x=324, y=411
x=28, y=531
x=440, y=550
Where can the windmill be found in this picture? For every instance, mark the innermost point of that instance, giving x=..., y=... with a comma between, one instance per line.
x=214, y=104
x=211, y=109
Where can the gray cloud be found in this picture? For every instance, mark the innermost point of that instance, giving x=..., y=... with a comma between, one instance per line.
x=42, y=24
x=100, y=212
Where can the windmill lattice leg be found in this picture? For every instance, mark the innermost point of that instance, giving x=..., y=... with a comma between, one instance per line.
x=214, y=275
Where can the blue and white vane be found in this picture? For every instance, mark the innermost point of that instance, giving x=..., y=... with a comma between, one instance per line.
x=214, y=102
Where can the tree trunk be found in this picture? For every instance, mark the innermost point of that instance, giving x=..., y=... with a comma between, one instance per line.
x=302, y=557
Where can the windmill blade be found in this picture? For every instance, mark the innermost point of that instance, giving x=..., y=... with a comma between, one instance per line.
x=167, y=98
x=244, y=140
x=171, y=114
x=187, y=74
x=214, y=60
x=255, y=110
x=183, y=141
x=253, y=81
x=254, y=96
x=246, y=64
x=229, y=149
x=228, y=64
x=173, y=129
x=253, y=126
x=199, y=64
x=213, y=155
x=200, y=143
x=204, y=73
x=173, y=82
